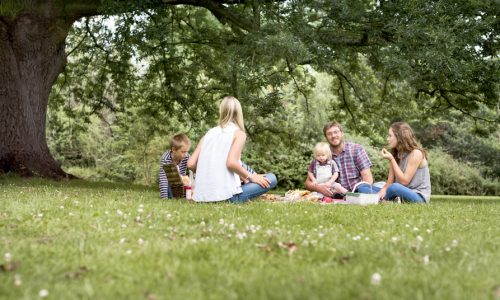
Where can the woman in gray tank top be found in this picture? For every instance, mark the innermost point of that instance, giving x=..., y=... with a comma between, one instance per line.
x=409, y=177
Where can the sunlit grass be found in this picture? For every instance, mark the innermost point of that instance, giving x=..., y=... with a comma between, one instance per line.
x=113, y=241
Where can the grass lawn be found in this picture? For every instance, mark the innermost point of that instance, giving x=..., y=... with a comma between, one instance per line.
x=80, y=240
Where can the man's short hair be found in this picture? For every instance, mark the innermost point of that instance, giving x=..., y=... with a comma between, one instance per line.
x=179, y=140
x=330, y=125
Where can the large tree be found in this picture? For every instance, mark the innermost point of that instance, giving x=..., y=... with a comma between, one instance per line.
x=444, y=51
x=32, y=55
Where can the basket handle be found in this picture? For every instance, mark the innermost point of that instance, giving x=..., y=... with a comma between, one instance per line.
x=357, y=184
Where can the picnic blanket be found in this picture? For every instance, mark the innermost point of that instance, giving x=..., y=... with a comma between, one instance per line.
x=292, y=196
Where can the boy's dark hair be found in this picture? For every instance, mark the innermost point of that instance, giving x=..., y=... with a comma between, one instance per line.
x=179, y=140
x=330, y=125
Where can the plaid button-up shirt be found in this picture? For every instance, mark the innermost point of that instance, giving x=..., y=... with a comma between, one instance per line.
x=351, y=161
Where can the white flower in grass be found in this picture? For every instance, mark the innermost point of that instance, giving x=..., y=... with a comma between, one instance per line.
x=169, y=216
x=61, y=207
x=321, y=234
x=241, y=235
x=17, y=280
x=40, y=215
x=71, y=214
x=8, y=257
x=356, y=238
x=43, y=293
x=419, y=238
x=277, y=223
x=128, y=251
x=269, y=232
x=447, y=248
x=140, y=241
x=231, y=226
x=407, y=225
x=425, y=259
x=429, y=231
x=415, y=228
x=119, y=212
x=140, y=210
x=202, y=223
x=122, y=240
x=376, y=278
x=454, y=243
x=394, y=238
x=106, y=212
x=367, y=238
x=124, y=225
x=221, y=221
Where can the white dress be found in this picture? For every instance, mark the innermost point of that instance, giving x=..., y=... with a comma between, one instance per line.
x=214, y=181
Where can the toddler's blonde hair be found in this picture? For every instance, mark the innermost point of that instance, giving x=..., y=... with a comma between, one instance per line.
x=323, y=148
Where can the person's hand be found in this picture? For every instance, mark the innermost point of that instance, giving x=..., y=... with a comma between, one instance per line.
x=386, y=154
x=261, y=180
x=381, y=194
x=322, y=189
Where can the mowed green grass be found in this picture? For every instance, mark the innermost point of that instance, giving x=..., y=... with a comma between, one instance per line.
x=80, y=240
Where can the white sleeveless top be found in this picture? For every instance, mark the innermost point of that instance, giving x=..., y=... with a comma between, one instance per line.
x=214, y=181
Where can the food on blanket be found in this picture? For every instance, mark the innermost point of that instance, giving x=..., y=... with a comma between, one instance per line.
x=292, y=196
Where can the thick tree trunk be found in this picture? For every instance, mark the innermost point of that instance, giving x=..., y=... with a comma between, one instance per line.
x=31, y=57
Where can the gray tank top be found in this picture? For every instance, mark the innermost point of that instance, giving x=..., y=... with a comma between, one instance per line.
x=421, y=181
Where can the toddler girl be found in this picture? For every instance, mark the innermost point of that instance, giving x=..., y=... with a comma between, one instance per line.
x=323, y=170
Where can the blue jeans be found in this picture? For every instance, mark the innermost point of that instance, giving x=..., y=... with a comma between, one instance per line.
x=367, y=189
x=252, y=190
x=399, y=190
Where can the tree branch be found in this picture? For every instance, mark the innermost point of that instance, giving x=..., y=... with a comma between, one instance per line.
x=345, y=100
x=290, y=72
x=220, y=9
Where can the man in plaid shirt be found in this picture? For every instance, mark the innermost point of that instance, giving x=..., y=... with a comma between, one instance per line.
x=352, y=160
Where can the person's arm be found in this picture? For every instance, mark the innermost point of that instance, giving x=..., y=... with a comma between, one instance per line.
x=311, y=177
x=315, y=187
x=414, y=160
x=332, y=179
x=193, y=160
x=364, y=164
x=337, y=186
x=367, y=176
x=390, y=180
x=234, y=165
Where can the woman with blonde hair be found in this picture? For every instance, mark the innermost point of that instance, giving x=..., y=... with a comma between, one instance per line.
x=409, y=178
x=217, y=161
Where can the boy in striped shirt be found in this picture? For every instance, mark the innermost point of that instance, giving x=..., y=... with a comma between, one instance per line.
x=177, y=155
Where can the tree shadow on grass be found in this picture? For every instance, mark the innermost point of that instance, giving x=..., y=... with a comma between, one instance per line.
x=9, y=179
